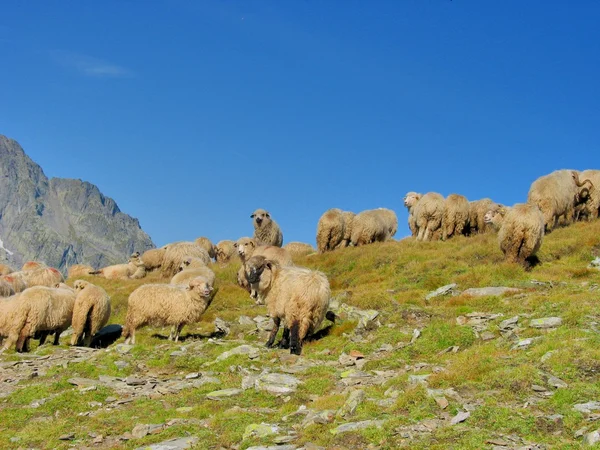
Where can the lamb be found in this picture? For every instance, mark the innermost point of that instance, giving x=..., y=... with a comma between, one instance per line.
x=37, y=310
x=330, y=230
x=427, y=212
x=78, y=270
x=153, y=258
x=16, y=281
x=224, y=250
x=135, y=269
x=6, y=289
x=247, y=247
x=90, y=312
x=521, y=231
x=297, y=295
x=266, y=230
x=207, y=245
x=455, y=220
x=591, y=205
x=296, y=249
x=477, y=210
x=557, y=195
x=374, y=225
x=166, y=304
x=5, y=269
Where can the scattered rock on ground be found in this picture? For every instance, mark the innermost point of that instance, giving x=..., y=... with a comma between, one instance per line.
x=546, y=322
x=444, y=290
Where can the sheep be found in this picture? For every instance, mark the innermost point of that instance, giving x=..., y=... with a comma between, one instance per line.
x=166, y=304
x=247, y=247
x=177, y=253
x=330, y=230
x=78, y=270
x=224, y=250
x=373, y=225
x=5, y=269
x=455, y=220
x=297, y=295
x=90, y=312
x=186, y=274
x=348, y=217
x=135, y=269
x=39, y=309
x=6, y=289
x=591, y=199
x=266, y=230
x=296, y=249
x=32, y=265
x=520, y=231
x=477, y=210
x=16, y=281
x=557, y=195
x=44, y=276
x=207, y=245
x=153, y=258
x=6, y=315
x=427, y=212
x=410, y=200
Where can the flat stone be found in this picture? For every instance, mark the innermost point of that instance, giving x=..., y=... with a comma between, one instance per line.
x=418, y=379
x=595, y=263
x=134, y=381
x=82, y=382
x=349, y=407
x=249, y=350
x=444, y=290
x=123, y=348
x=546, y=322
x=355, y=426
x=67, y=437
x=557, y=383
x=490, y=291
x=121, y=364
x=173, y=444
x=592, y=438
x=487, y=336
x=221, y=326
x=509, y=324
x=246, y=321
x=442, y=402
x=538, y=388
x=140, y=431
x=275, y=383
x=318, y=417
x=587, y=407
x=192, y=376
x=222, y=394
x=260, y=430
x=460, y=417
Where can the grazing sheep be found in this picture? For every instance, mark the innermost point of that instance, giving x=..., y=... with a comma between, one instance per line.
x=166, y=304
x=187, y=274
x=16, y=281
x=6, y=289
x=330, y=230
x=153, y=258
x=90, y=312
x=520, y=231
x=348, y=217
x=266, y=230
x=373, y=225
x=135, y=268
x=297, y=295
x=296, y=249
x=591, y=205
x=224, y=250
x=6, y=269
x=246, y=248
x=557, y=195
x=176, y=253
x=427, y=214
x=477, y=210
x=455, y=220
x=39, y=309
x=32, y=265
x=410, y=200
x=207, y=245
x=79, y=270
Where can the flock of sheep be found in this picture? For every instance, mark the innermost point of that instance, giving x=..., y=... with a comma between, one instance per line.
x=37, y=303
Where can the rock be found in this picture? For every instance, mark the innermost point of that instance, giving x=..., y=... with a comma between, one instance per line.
x=509, y=324
x=140, y=431
x=121, y=364
x=595, y=264
x=67, y=437
x=221, y=326
x=173, y=444
x=444, y=290
x=354, y=399
x=592, y=438
x=82, y=382
x=318, y=417
x=192, y=376
x=260, y=430
x=522, y=343
x=416, y=334
x=346, y=360
x=355, y=426
x=557, y=382
x=275, y=383
x=264, y=323
x=246, y=321
x=538, y=388
x=546, y=322
x=222, y=394
x=418, y=379
x=441, y=402
x=490, y=291
x=546, y=356
x=249, y=381
x=460, y=417
x=587, y=407
x=123, y=348
x=249, y=350
x=487, y=336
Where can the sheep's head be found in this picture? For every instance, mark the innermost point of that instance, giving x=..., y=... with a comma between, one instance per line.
x=261, y=217
x=245, y=247
x=411, y=199
x=259, y=273
x=136, y=261
x=63, y=286
x=495, y=215
x=80, y=285
x=201, y=286
x=135, y=255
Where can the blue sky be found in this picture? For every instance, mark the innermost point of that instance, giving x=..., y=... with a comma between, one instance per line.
x=192, y=114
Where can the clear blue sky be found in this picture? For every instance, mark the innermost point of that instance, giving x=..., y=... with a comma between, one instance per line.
x=192, y=114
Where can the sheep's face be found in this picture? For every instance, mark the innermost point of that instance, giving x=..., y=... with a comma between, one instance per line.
x=245, y=247
x=259, y=275
x=137, y=261
x=80, y=285
x=411, y=199
x=135, y=254
x=261, y=218
x=494, y=216
x=220, y=256
x=201, y=286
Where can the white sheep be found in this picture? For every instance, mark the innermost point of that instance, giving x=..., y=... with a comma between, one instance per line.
x=90, y=312
x=373, y=225
x=224, y=250
x=425, y=214
x=134, y=269
x=266, y=230
x=6, y=289
x=5, y=269
x=177, y=252
x=455, y=220
x=591, y=206
x=79, y=270
x=298, y=249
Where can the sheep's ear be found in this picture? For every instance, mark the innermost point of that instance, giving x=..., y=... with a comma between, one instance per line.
x=268, y=215
x=253, y=243
x=269, y=265
x=252, y=216
x=235, y=244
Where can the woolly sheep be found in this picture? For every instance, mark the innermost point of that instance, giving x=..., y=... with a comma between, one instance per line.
x=166, y=304
x=330, y=230
x=44, y=276
x=207, y=245
x=296, y=249
x=78, y=270
x=135, y=268
x=32, y=265
x=247, y=247
x=477, y=210
x=373, y=225
x=591, y=205
x=410, y=200
x=5, y=269
x=348, y=217
x=185, y=275
x=6, y=289
x=455, y=220
x=177, y=253
x=557, y=194
x=521, y=231
x=224, y=250
x=39, y=309
x=6, y=314
x=16, y=281
x=427, y=214
x=266, y=230
x=297, y=295
x=90, y=312
x=153, y=258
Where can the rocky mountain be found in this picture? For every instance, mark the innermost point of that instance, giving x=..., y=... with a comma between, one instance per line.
x=59, y=221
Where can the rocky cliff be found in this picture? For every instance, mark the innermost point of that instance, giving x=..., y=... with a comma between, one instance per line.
x=59, y=221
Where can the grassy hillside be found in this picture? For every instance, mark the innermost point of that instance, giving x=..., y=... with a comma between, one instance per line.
x=518, y=391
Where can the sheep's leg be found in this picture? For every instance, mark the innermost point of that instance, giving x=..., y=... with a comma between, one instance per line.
x=285, y=339
x=274, y=331
x=26, y=345
x=295, y=344
x=87, y=340
x=132, y=336
x=172, y=333
x=57, y=337
x=43, y=336
x=178, y=332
